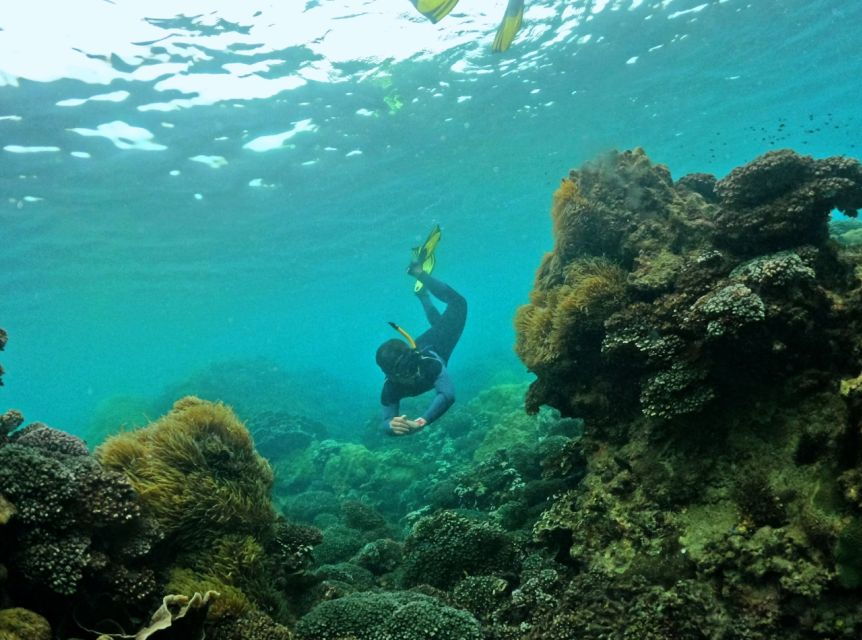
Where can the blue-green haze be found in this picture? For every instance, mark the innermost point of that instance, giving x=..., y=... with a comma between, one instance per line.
x=129, y=261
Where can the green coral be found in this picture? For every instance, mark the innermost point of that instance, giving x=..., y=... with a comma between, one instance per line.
x=729, y=310
x=231, y=603
x=445, y=547
x=421, y=619
x=339, y=544
x=22, y=624
x=386, y=615
x=848, y=555
x=379, y=556
x=359, y=578
x=200, y=478
x=480, y=595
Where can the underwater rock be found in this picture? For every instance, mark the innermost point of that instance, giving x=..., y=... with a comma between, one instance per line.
x=604, y=345
x=701, y=183
x=781, y=197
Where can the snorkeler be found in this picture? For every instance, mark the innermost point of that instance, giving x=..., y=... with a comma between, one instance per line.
x=416, y=366
x=436, y=10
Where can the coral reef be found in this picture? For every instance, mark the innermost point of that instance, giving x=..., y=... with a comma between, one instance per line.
x=446, y=546
x=21, y=624
x=181, y=506
x=380, y=556
x=702, y=288
x=201, y=479
x=278, y=434
x=72, y=518
x=382, y=615
x=689, y=466
x=197, y=472
x=721, y=412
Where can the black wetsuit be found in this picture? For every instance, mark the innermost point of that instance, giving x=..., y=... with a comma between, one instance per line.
x=435, y=345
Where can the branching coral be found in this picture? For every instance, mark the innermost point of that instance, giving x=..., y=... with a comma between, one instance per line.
x=63, y=498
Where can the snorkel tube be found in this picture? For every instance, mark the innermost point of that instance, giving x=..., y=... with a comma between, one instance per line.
x=406, y=335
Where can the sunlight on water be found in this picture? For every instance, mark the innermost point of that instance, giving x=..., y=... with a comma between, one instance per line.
x=248, y=178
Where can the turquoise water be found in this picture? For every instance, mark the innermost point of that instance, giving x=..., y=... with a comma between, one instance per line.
x=150, y=227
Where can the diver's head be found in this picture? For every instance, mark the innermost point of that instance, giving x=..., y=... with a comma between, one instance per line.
x=399, y=361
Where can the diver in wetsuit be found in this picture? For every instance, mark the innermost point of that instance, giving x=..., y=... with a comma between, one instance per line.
x=414, y=367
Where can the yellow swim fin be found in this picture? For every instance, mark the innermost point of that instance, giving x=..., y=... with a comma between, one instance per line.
x=509, y=26
x=424, y=254
x=434, y=10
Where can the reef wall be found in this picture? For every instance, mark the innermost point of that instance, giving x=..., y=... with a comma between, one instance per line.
x=707, y=331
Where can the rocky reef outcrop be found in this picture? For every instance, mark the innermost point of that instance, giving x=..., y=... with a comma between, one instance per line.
x=707, y=333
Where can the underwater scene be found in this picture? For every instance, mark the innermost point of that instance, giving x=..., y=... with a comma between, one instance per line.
x=431, y=320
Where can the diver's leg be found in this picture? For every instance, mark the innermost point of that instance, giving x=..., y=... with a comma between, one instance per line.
x=431, y=312
x=440, y=290
x=444, y=334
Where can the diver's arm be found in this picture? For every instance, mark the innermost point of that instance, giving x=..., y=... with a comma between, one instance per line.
x=389, y=412
x=443, y=399
x=391, y=402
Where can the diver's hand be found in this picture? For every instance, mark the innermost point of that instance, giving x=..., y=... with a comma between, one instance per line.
x=401, y=426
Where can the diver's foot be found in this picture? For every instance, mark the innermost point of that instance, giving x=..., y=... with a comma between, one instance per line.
x=414, y=269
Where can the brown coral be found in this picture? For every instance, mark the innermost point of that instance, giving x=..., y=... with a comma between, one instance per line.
x=627, y=236
x=781, y=198
x=196, y=471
